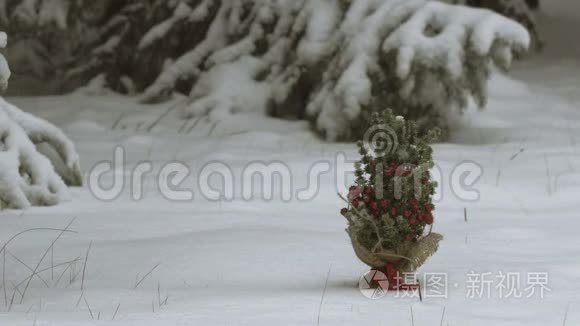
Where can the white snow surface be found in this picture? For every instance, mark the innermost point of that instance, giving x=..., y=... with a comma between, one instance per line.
x=290, y=263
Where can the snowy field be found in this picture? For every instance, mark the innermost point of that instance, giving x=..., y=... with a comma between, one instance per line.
x=257, y=262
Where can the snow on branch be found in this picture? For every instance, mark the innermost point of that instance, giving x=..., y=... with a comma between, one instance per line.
x=4, y=69
x=27, y=176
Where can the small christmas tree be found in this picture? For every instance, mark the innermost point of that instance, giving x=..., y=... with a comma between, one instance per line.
x=391, y=205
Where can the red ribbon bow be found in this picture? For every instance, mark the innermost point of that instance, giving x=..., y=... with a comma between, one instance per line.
x=396, y=282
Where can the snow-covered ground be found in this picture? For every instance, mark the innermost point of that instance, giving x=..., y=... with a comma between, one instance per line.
x=290, y=262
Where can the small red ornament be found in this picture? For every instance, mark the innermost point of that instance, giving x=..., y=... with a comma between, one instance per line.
x=374, y=206
x=355, y=192
x=393, y=212
x=414, y=202
x=407, y=213
x=344, y=211
x=405, y=170
x=385, y=203
x=428, y=218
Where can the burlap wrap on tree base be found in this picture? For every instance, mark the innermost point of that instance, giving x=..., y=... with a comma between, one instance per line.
x=407, y=260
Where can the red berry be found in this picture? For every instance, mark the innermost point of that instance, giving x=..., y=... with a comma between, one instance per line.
x=414, y=202
x=393, y=212
x=428, y=219
x=385, y=203
x=412, y=221
x=429, y=207
x=425, y=180
x=369, y=191
x=344, y=211
x=355, y=203
x=374, y=206
x=407, y=213
x=409, y=237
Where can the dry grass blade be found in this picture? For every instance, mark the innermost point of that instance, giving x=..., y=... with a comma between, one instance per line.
x=118, y=121
x=4, y=277
x=323, y=294
x=165, y=114
x=16, y=288
x=35, y=229
x=192, y=127
x=52, y=264
x=85, y=266
x=116, y=311
x=159, y=293
x=34, y=273
x=69, y=264
x=46, y=269
x=146, y=275
x=566, y=315
x=3, y=250
x=88, y=307
x=79, y=299
x=213, y=127
x=12, y=300
x=44, y=256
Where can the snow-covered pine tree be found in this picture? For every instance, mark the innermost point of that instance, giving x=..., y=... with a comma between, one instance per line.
x=110, y=54
x=341, y=60
x=44, y=35
x=28, y=177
